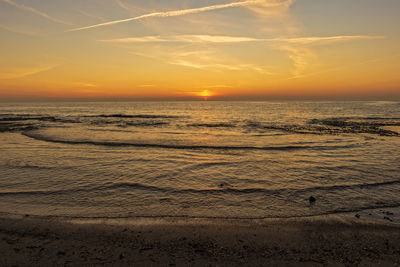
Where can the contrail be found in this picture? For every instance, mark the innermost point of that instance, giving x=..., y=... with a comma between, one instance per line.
x=315, y=40
x=176, y=13
x=35, y=11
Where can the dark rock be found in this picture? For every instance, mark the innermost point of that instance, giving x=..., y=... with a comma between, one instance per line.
x=357, y=216
x=223, y=184
x=61, y=253
x=145, y=249
x=121, y=256
x=387, y=218
x=312, y=199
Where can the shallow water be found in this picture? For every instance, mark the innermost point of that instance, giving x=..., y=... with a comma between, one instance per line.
x=198, y=159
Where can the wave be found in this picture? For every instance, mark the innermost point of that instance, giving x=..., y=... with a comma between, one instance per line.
x=27, y=118
x=17, y=127
x=232, y=190
x=206, y=191
x=143, y=124
x=174, y=146
x=137, y=116
x=38, y=118
x=34, y=167
x=324, y=126
x=39, y=192
x=212, y=125
x=316, y=213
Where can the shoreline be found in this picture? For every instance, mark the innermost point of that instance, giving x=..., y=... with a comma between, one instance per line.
x=334, y=240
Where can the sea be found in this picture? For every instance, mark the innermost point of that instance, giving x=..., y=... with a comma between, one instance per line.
x=199, y=159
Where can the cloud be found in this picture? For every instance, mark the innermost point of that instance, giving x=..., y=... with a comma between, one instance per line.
x=91, y=15
x=37, y=12
x=325, y=40
x=86, y=84
x=298, y=50
x=345, y=66
x=202, y=60
x=182, y=12
x=21, y=73
x=300, y=56
x=216, y=66
x=122, y=5
x=18, y=31
x=184, y=39
x=301, y=41
x=147, y=85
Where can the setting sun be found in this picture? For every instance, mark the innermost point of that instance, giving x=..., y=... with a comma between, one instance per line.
x=205, y=94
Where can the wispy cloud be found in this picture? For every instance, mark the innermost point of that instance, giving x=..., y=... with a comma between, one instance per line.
x=298, y=50
x=216, y=86
x=325, y=40
x=86, y=84
x=21, y=73
x=300, y=56
x=345, y=66
x=240, y=39
x=182, y=12
x=89, y=15
x=29, y=33
x=147, y=85
x=185, y=39
x=203, y=60
x=217, y=66
x=122, y=5
x=37, y=12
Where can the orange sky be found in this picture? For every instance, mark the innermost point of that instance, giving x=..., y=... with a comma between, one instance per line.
x=206, y=50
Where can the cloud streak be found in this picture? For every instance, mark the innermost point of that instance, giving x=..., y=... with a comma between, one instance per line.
x=28, y=33
x=176, y=13
x=298, y=49
x=122, y=5
x=328, y=39
x=202, y=60
x=21, y=73
x=301, y=41
x=218, y=66
x=185, y=39
x=37, y=12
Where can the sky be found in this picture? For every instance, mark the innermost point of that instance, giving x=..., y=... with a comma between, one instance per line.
x=211, y=49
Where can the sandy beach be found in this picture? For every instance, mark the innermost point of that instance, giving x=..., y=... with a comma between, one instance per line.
x=340, y=240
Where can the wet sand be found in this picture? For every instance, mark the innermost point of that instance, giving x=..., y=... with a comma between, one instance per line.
x=319, y=241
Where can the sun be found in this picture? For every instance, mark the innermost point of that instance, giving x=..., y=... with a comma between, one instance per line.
x=205, y=94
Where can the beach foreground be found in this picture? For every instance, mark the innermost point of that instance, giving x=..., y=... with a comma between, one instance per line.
x=329, y=240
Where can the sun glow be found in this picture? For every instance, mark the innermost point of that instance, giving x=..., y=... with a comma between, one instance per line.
x=205, y=94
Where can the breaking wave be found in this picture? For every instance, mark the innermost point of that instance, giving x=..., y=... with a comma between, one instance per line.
x=175, y=146
x=219, y=190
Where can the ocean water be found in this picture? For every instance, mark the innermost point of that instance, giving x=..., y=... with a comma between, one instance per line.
x=198, y=159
